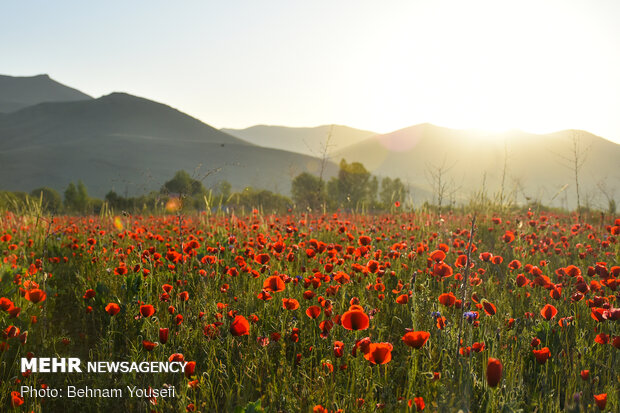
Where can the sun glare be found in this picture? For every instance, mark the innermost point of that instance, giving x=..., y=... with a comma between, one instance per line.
x=459, y=67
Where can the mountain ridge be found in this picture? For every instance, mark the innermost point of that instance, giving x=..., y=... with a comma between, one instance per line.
x=126, y=143
x=306, y=140
x=17, y=92
x=536, y=164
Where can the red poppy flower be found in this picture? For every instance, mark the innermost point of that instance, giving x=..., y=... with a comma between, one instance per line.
x=112, y=309
x=16, y=398
x=522, y=280
x=363, y=344
x=262, y=259
x=147, y=310
x=364, y=240
x=11, y=332
x=35, y=295
x=309, y=294
x=542, y=355
x=508, y=237
x=585, y=374
x=14, y=312
x=461, y=260
x=5, y=304
x=497, y=259
x=416, y=339
x=402, y=299
x=419, y=403
x=494, y=372
x=325, y=327
x=338, y=348
x=273, y=284
x=442, y=270
x=89, y=294
x=189, y=369
x=438, y=255
x=548, y=312
x=601, y=400
x=602, y=338
x=572, y=271
x=598, y=314
x=465, y=351
x=313, y=311
x=176, y=357
x=447, y=299
x=121, y=270
x=240, y=326
x=148, y=345
x=372, y=266
x=355, y=320
x=211, y=331
x=379, y=353
x=290, y=304
x=488, y=307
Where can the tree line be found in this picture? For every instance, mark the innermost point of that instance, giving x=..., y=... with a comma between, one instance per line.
x=354, y=188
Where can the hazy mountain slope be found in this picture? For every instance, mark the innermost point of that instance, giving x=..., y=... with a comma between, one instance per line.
x=19, y=92
x=131, y=144
x=534, y=168
x=310, y=141
x=114, y=114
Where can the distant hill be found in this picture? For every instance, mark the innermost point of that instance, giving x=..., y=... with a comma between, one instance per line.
x=535, y=168
x=19, y=92
x=132, y=145
x=309, y=141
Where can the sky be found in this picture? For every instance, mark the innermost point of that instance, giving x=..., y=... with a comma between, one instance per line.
x=538, y=66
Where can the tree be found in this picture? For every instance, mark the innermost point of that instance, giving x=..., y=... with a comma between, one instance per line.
x=251, y=198
x=308, y=191
x=574, y=161
x=353, y=186
x=76, y=197
x=83, y=198
x=224, y=190
x=392, y=190
x=183, y=184
x=609, y=196
x=442, y=187
x=50, y=198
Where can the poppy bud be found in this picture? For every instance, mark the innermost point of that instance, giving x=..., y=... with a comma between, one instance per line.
x=494, y=372
x=163, y=335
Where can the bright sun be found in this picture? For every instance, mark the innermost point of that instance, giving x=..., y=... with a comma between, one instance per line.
x=454, y=66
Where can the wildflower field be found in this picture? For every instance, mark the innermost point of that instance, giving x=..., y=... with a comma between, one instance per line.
x=515, y=311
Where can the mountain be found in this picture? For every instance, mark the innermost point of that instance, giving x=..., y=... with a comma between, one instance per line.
x=19, y=92
x=538, y=167
x=309, y=141
x=132, y=145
